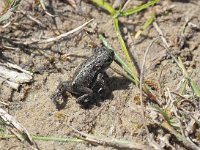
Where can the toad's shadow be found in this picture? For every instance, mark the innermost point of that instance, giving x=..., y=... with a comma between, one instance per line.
x=111, y=84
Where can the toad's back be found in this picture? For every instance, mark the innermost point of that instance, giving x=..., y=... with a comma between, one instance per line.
x=87, y=72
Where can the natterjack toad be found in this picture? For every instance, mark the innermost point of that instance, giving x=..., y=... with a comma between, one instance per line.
x=86, y=76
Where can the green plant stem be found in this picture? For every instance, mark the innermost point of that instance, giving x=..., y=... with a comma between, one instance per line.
x=138, y=8
x=105, y=5
x=125, y=51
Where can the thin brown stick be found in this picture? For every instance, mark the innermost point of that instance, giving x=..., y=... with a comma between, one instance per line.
x=151, y=141
x=33, y=19
x=44, y=8
x=65, y=34
x=125, y=5
x=166, y=45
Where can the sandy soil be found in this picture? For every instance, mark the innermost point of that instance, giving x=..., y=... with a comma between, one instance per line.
x=115, y=115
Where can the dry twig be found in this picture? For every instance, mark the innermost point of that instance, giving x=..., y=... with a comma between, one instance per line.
x=150, y=140
x=16, y=128
x=14, y=75
x=33, y=19
x=112, y=142
x=65, y=34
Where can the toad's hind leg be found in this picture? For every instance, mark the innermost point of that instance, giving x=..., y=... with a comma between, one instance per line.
x=85, y=92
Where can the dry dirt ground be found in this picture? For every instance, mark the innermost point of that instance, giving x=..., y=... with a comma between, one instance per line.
x=115, y=115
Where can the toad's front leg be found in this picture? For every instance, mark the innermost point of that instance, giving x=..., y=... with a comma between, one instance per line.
x=99, y=85
x=60, y=92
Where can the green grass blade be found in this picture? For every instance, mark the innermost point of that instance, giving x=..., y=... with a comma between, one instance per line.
x=146, y=25
x=10, y=11
x=6, y=15
x=163, y=113
x=105, y=5
x=45, y=138
x=105, y=43
x=182, y=88
x=194, y=88
x=189, y=80
x=139, y=8
x=149, y=21
x=59, y=139
x=181, y=65
x=16, y=3
x=134, y=73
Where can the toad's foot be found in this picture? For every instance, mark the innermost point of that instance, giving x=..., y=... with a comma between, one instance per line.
x=59, y=96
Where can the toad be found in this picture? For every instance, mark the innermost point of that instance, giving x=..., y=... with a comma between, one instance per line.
x=86, y=76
